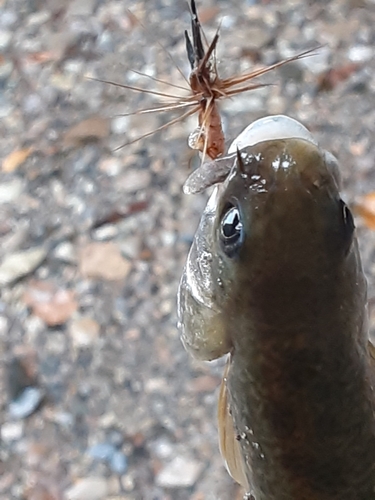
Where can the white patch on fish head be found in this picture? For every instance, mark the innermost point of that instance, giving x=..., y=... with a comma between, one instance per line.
x=268, y=129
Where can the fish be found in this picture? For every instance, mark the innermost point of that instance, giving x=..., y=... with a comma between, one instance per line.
x=274, y=282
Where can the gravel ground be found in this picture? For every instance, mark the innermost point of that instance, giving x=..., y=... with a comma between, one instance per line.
x=98, y=399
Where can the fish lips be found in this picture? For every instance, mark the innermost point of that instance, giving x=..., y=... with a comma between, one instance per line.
x=200, y=295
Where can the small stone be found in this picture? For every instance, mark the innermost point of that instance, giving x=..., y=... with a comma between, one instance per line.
x=84, y=332
x=11, y=431
x=110, y=166
x=89, y=488
x=135, y=180
x=127, y=482
x=33, y=104
x=131, y=246
x=120, y=125
x=20, y=264
x=6, y=69
x=10, y=191
x=26, y=403
x=65, y=252
x=38, y=18
x=103, y=260
x=101, y=451
x=360, y=53
x=162, y=448
x=5, y=39
x=82, y=7
x=105, y=232
x=118, y=463
x=116, y=438
x=53, y=305
x=180, y=473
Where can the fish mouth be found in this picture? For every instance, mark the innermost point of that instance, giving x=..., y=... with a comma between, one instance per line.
x=281, y=127
x=199, y=302
x=198, y=269
x=267, y=129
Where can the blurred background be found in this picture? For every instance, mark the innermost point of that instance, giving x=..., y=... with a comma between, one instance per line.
x=98, y=398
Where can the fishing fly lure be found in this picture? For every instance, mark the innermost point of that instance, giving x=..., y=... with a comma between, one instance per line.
x=203, y=91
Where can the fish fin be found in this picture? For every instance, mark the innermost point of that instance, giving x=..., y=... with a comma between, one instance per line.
x=371, y=350
x=230, y=447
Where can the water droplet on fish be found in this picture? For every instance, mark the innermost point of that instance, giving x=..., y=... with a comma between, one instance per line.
x=276, y=163
x=206, y=256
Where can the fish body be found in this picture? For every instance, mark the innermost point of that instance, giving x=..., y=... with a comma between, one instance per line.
x=274, y=278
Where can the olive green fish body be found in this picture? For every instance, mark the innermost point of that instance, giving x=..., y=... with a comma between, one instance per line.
x=296, y=412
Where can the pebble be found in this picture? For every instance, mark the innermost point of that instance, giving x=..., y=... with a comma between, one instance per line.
x=20, y=264
x=82, y=7
x=10, y=191
x=26, y=403
x=103, y=260
x=101, y=451
x=180, y=473
x=107, y=452
x=5, y=39
x=84, y=332
x=65, y=252
x=116, y=438
x=360, y=53
x=39, y=18
x=33, y=104
x=118, y=463
x=110, y=166
x=12, y=431
x=120, y=125
x=134, y=180
x=105, y=232
x=89, y=488
x=162, y=448
x=130, y=246
x=6, y=69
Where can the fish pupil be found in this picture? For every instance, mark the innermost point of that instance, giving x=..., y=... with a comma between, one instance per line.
x=231, y=231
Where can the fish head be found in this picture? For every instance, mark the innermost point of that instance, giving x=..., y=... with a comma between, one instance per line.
x=278, y=215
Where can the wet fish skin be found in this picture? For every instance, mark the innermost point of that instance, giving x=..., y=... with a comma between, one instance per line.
x=297, y=403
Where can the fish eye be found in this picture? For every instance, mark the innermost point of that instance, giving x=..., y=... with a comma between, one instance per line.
x=348, y=224
x=231, y=231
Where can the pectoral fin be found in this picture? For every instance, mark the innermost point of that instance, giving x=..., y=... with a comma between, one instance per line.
x=230, y=447
x=371, y=350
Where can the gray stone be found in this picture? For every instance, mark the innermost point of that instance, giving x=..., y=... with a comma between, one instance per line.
x=180, y=473
x=26, y=403
x=20, y=264
x=89, y=488
x=101, y=451
x=118, y=463
x=10, y=191
x=11, y=431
